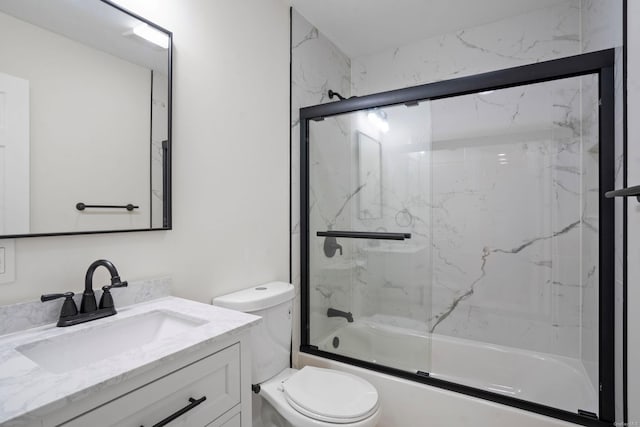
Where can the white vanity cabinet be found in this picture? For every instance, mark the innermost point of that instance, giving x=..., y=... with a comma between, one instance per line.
x=196, y=395
x=219, y=374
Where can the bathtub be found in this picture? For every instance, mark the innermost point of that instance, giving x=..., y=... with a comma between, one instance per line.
x=551, y=380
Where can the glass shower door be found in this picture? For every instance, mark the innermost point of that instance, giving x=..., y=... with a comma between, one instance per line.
x=515, y=215
x=464, y=233
x=370, y=225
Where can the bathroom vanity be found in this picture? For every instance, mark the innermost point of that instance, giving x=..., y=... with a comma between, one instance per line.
x=166, y=360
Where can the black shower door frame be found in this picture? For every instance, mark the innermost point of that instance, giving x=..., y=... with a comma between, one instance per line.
x=600, y=63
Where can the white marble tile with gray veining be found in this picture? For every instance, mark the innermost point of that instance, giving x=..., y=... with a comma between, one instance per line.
x=317, y=66
x=543, y=34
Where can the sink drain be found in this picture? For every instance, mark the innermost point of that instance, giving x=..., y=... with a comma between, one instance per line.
x=336, y=342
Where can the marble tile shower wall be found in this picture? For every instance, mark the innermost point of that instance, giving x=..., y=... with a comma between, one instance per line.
x=317, y=66
x=393, y=280
x=507, y=233
x=488, y=236
x=540, y=35
x=329, y=199
x=470, y=295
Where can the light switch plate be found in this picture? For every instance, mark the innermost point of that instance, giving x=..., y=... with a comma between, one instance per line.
x=7, y=261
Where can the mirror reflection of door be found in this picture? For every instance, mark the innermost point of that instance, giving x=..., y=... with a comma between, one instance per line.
x=14, y=154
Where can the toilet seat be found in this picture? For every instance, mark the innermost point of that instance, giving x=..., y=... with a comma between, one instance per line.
x=272, y=393
x=330, y=396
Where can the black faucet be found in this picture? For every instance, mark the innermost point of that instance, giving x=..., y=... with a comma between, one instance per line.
x=332, y=312
x=88, y=304
x=69, y=314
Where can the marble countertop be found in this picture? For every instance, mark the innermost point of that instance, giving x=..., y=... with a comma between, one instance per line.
x=26, y=387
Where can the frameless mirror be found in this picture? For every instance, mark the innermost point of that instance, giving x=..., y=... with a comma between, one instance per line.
x=85, y=119
x=369, y=177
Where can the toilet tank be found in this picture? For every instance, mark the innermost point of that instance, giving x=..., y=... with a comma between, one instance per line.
x=271, y=338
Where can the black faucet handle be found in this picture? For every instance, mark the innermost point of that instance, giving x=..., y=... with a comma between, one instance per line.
x=331, y=245
x=107, y=288
x=69, y=307
x=49, y=297
x=106, y=301
x=117, y=284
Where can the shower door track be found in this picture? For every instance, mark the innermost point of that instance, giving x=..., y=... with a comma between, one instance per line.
x=600, y=63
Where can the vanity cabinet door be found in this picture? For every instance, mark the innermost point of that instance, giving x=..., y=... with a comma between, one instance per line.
x=232, y=419
x=215, y=378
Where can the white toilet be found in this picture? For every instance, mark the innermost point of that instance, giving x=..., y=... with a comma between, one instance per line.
x=309, y=397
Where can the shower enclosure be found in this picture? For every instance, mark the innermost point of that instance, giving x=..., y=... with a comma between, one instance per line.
x=457, y=234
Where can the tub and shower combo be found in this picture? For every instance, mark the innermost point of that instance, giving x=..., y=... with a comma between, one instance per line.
x=456, y=234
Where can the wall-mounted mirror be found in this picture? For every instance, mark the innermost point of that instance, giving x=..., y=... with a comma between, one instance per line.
x=369, y=177
x=85, y=119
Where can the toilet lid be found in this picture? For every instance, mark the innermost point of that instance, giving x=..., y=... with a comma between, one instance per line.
x=330, y=396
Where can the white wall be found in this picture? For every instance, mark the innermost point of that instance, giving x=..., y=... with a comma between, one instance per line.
x=633, y=211
x=230, y=170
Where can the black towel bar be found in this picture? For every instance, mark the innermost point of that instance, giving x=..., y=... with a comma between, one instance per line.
x=624, y=192
x=364, y=235
x=81, y=206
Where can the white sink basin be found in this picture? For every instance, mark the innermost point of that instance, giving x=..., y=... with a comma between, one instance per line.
x=73, y=350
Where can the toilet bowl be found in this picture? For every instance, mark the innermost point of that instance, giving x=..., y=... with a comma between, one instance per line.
x=309, y=397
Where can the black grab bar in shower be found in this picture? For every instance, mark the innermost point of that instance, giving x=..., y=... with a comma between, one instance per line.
x=365, y=235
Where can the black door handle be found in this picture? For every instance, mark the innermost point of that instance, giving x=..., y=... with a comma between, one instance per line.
x=193, y=403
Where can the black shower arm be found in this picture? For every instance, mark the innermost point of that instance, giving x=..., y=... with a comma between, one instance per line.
x=332, y=93
x=336, y=94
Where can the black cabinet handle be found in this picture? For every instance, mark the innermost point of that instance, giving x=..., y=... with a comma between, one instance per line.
x=364, y=235
x=190, y=406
